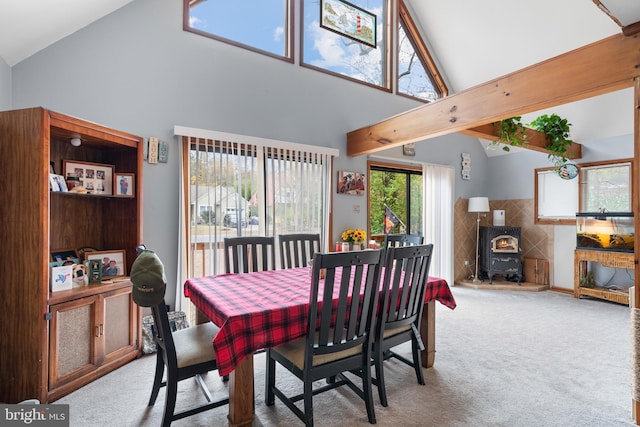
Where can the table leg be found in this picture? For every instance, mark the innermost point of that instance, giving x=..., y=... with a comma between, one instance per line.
x=428, y=333
x=241, y=394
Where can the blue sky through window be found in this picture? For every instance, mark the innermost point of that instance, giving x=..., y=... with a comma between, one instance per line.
x=256, y=23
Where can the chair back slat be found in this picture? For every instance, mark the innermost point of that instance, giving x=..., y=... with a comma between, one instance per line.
x=345, y=323
x=246, y=254
x=405, y=277
x=297, y=249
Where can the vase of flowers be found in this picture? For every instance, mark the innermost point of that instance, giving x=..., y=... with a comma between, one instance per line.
x=355, y=237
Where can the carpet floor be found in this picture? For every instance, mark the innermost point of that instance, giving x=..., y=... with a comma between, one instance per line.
x=503, y=359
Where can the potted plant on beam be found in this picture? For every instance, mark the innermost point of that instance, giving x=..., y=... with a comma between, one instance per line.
x=556, y=130
x=511, y=131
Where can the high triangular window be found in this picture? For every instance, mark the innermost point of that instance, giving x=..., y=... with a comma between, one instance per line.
x=417, y=75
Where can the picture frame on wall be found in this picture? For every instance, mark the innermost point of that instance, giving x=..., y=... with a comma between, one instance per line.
x=348, y=20
x=352, y=183
x=112, y=263
x=95, y=178
x=124, y=184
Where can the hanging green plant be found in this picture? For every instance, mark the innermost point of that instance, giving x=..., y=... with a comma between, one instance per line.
x=512, y=132
x=556, y=130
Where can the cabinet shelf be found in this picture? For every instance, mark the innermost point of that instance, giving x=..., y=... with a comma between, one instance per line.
x=86, y=291
x=99, y=196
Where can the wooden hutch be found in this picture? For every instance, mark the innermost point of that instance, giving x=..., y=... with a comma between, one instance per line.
x=55, y=342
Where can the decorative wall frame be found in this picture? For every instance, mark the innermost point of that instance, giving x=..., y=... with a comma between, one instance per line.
x=351, y=183
x=348, y=20
x=465, y=166
x=96, y=178
x=409, y=149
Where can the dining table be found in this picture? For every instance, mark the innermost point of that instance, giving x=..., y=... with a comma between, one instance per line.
x=265, y=309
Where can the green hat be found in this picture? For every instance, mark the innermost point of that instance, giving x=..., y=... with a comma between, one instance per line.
x=149, y=281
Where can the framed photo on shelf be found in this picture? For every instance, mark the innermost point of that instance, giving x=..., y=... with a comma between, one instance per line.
x=124, y=184
x=96, y=178
x=112, y=263
x=95, y=271
x=60, y=255
x=83, y=250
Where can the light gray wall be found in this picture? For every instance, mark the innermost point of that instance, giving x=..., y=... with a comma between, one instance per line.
x=512, y=176
x=136, y=70
x=5, y=85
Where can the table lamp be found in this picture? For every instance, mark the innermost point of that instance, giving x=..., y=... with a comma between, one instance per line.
x=478, y=204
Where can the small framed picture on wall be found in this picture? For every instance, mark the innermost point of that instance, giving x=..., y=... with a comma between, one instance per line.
x=351, y=183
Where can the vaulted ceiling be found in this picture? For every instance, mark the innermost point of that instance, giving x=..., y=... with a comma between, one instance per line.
x=473, y=41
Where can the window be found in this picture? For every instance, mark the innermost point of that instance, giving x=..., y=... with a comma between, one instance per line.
x=260, y=25
x=417, y=74
x=556, y=199
x=325, y=50
x=599, y=186
x=399, y=188
x=606, y=188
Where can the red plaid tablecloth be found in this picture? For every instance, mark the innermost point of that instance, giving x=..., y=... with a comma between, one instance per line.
x=265, y=309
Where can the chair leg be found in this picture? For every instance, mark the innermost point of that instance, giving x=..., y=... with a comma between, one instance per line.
x=157, y=380
x=270, y=380
x=417, y=365
x=368, y=393
x=379, y=364
x=308, y=403
x=170, y=401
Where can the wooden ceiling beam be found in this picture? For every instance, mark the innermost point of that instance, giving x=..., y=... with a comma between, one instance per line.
x=535, y=140
x=604, y=66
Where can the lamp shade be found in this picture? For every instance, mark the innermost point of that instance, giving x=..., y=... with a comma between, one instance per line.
x=478, y=204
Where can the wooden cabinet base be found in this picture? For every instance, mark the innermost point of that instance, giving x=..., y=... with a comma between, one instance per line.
x=71, y=386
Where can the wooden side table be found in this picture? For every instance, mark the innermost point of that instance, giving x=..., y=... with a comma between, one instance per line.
x=607, y=259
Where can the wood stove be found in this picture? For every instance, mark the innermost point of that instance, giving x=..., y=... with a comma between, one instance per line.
x=500, y=253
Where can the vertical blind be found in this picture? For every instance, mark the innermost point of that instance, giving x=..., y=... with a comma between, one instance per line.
x=237, y=185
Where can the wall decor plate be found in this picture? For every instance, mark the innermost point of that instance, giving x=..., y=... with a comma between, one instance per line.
x=568, y=171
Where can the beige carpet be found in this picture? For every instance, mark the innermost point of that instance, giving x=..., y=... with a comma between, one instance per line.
x=504, y=359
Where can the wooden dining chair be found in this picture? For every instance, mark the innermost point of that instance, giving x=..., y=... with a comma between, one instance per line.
x=401, y=302
x=394, y=240
x=296, y=250
x=246, y=254
x=186, y=353
x=329, y=349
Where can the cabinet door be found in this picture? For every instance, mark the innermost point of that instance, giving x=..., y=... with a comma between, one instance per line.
x=72, y=338
x=119, y=324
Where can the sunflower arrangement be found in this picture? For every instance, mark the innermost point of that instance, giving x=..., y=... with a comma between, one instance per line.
x=351, y=235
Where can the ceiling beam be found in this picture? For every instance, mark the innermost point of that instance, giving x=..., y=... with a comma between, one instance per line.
x=534, y=140
x=604, y=66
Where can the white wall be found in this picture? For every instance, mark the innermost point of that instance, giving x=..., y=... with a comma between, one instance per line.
x=136, y=70
x=5, y=85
